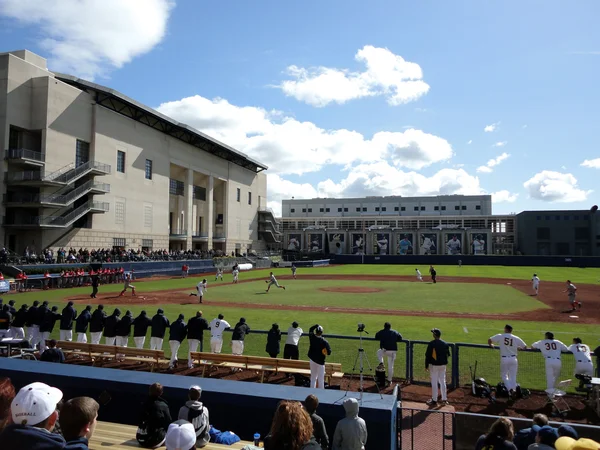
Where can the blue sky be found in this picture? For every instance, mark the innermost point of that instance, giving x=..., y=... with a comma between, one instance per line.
x=346, y=98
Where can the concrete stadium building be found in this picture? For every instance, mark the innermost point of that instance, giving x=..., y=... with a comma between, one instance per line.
x=86, y=166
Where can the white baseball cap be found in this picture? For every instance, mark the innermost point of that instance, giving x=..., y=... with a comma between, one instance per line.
x=181, y=435
x=35, y=403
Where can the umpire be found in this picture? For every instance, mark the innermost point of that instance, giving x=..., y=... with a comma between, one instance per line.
x=436, y=360
x=317, y=352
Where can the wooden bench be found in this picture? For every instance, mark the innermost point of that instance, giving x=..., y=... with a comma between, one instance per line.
x=263, y=364
x=115, y=436
x=102, y=353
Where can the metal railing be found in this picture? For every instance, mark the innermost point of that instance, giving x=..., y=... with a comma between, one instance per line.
x=57, y=199
x=178, y=232
x=269, y=211
x=64, y=175
x=64, y=220
x=23, y=153
x=200, y=234
x=426, y=429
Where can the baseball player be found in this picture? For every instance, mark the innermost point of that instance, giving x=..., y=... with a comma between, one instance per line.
x=436, y=360
x=509, y=345
x=388, y=346
x=404, y=246
x=127, y=285
x=551, y=350
x=583, y=358
x=200, y=288
x=419, y=276
x=217, y=326
x=433, y=274
x=382, y=244
x=359, y=246
x=478, y=245
x=293, y=271
x=572, y=294
x=273, y=281
x=535, y=282
x=453, y=246
x=235, y=272
x=427, y=246
x=219, y=274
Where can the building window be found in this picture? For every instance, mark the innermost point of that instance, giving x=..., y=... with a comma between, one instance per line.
x=293, y=210
x=422, y=208
x=464, y=207
x=478, y=207
x=239, y=195
x=565, y=217
x=147, y=245
x=148, y=216
x=200, y=193
x=82, y=153
x=582, y=233
x=327, y=210
x=249, y=198
x=538, y=218
x=345, y=209
x=321, y=209
x=303, y=210
x=357, y=209
x=119, y=242
x=120, y=161
x=543, y=233
x=377, y=209
x=443, y=208
x=416, y=208
x=364, y=209
x=339, y=209
x=457, y=208
x=436, y=208
x=309, y=210
x=403, y=208
x=574, y=218
x=176, y=187
x=148, y=169
x=384, y=208
x=557, y=218
x=120, y=213
x=396, y=208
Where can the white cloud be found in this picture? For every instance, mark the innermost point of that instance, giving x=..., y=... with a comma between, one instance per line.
x=500, y=144
x=289, y=146
x=484, y=169
x=89, y=37
x=493, y=163
x=555, y=187
x=491, y=128
x=503, y=196
x=386, y=74
x=470, y=142
x=591, y=163
x=280, y=189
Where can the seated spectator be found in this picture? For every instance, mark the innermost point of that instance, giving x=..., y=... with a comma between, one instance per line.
x=291, y=429
x=197, y=414
x=567, y=443
x=34, y=416
x=180, y=436
x=155, y=419
x=319, y=432
x=525, y=437
x=569, y=431
x=77, y=421
x=7, y=394
x=53, y=354
x=545, y=439
x=499, y=437
x=351, y=432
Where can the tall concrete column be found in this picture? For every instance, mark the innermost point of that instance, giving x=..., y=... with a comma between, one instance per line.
x=189, y=203
x=210, y=219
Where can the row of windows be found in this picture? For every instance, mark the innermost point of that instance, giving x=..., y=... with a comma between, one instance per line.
x=121, y=165
x=384, y=208
x=581, y=233
x=239, y=196
x=565, y=217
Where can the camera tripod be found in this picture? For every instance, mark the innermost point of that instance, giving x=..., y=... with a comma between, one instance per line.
x=359, y=362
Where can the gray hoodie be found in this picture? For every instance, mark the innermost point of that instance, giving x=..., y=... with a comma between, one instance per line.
x=351, y=432
x=194, y=407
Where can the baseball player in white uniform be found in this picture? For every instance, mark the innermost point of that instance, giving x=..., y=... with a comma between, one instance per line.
x=419, y=276
x=235, y=273
x=273, y=282
x=583, y=358
x=200, y=289
x=127, y=285
x=551, y=350
x=217, y=326
x=535, y=283
x=572, y=293
x=219, y=274
x=293, y=271
x=382, y=244
x=478, y=245
x=509, y=344
x=453, y=246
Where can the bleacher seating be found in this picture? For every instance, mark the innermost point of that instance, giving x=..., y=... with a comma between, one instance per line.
x=110, y=355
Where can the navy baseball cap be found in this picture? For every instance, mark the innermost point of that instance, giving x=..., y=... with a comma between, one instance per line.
x=436, y=332
x=548, y=435
x=508, y=327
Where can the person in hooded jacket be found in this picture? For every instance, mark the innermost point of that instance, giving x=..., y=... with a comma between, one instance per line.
x=291, y=429
x=177, y=334
x=69, y=314
x=17, y=330
x=82, y=322
x=140, y=328
x=350, y=432
x=110, y=327
x=124, y=329
x=155, y=419
x=47, y=326
x=274, y=341
x=195, y=329
x=33, y=328
x=159, y=327
x=197, y=414
x=97, y=324
x=11, y=308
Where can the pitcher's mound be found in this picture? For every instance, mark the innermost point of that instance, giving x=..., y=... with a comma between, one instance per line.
x=350, y=289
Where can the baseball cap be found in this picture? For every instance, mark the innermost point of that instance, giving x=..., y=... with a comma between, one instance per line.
x=567, y=443
x=180, y=436
x=567, y=430
x=548, y=435
x=436, y=331
x=319, y=329
x=195, y=387
x=34, y=403
x=508, y=327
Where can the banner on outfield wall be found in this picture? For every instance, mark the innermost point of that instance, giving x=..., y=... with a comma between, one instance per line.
x=293, y=242
x=4, y=287
x=479, y=242
x=453, y=242
x=404, y=243
x=429, y=242
x=358, y=242
x=336, y=240
x=315, y=241
x=381, y=242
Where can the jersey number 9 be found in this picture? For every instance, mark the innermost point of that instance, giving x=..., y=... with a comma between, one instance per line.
x=217, y=324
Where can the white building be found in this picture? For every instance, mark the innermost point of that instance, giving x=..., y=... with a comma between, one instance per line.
x=86, y=166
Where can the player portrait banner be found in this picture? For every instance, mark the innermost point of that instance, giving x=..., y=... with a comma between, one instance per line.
x=478, y=243
x=381, y=243
x=315, y=242
x=336, y=243
x=453, y=243
x=294, y=242
x=404, y=244
x=358, y=243
x=428, y=244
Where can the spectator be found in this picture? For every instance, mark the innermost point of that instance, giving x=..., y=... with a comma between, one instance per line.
x=124, y=329
x=273, y=341
x=319, y=432
x=569, y=431
x=47, y=326
x=33, y=328
x=350, y=432
x=11, y=308
x=525, y=437
x=567, y=443
x=436, y=360
x=197, y=414
x=499, y=437
x=195, y=326
x=155, y=419
x=291, y=429
x=318, y=350
x=19, y=320
x=291, y=350
x=7, y=394
x=597, y=353
x=34, y=416
x=110, y=327
x=69, y=314
x=180, y=436
x=5, y=321
x=388, y=346
x=81, y=324
x=545, y=439
x=77, y=421
x=237, y=338
x=177, y=333
x=97, y=324
x=159, y=327
x=52, y=353
x=140, y=328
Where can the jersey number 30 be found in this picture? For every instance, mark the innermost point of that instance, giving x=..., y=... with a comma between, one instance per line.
x=551, y=346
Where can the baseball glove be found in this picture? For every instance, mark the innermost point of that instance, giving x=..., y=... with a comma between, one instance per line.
x=266, y=281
